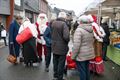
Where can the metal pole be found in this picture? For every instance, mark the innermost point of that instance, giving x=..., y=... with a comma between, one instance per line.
x=99, y=15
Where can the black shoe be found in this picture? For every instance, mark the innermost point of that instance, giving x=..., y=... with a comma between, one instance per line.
x=55, y=78
x=39, y=59
x=31, y=64
x=105, y=59
x=26, y=64
x=46, y=69
x=21, y=59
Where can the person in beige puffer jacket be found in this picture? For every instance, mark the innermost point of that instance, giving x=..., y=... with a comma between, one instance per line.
x=83, y=47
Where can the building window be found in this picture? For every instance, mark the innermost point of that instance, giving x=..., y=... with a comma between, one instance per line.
x=18, y=2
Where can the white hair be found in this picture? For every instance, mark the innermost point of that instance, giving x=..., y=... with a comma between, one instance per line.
x=84, y=18
x=62, y=15
x=90, y=18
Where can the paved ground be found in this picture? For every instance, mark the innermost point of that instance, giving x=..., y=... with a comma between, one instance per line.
x=20, y=72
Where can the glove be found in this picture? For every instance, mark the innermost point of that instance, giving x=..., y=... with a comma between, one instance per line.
x=39, y=41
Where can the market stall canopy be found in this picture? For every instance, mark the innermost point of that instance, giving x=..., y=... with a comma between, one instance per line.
x=108, y=8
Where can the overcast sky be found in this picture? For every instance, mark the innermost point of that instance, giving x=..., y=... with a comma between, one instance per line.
x=76, y=5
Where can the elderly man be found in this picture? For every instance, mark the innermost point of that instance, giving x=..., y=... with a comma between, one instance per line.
x=60, y=39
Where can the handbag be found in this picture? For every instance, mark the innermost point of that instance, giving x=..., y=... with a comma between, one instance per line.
x=12, y=58
x=25, y=35
x=3, y=33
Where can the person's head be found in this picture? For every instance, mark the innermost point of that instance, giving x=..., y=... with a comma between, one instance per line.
x=105, y=19
x=42, y=19
x=62, y=15
x=84, y=19
x=26, y=22
x=92, y=18
x=19, y=19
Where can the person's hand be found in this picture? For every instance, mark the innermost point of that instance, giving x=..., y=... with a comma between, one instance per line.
x=39, y=41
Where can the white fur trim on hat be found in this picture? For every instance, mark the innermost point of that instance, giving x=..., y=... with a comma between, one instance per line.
x=42, y=21
x=90, y=18
x=62, y=15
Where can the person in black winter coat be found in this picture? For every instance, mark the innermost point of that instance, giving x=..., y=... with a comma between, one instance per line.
x=106, y=40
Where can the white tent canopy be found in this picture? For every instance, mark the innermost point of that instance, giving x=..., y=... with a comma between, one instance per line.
x=79, y=6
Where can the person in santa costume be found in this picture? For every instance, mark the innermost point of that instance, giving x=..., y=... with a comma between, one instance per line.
x=41, y=25
x=99, y=34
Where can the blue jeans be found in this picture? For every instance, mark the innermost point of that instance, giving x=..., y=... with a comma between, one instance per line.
x=83, y=68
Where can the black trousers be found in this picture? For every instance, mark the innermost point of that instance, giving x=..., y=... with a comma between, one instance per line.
x=104, y=50
x=59, y=64
x=4, y=38
x=48, y=57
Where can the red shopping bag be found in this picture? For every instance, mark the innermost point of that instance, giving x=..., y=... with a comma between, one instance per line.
x=25, y=35
x=99, y=65
x=96, y=65
x=92, y=65
x=70, y=63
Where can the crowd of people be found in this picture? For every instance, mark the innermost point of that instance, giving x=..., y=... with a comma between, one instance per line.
x=52, y=38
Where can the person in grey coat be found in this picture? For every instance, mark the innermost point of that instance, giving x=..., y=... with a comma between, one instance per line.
x=60, y=39
x=83, y=47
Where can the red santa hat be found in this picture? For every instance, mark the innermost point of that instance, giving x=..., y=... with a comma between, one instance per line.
x=92, y=18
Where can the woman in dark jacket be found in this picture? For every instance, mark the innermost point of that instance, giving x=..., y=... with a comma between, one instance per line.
x=106, y=40
x=29, y=50
x=13, y=32
x=47, y=37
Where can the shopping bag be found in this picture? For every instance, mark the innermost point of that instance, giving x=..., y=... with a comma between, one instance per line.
x=99, y=65
x=25, y=35
x=92, y=65
x=70, y=62
x=3, y=33
x=96, y=65
x=12, y=59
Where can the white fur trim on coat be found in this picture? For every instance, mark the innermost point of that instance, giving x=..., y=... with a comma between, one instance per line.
x=100, y=32
x=31, y=26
